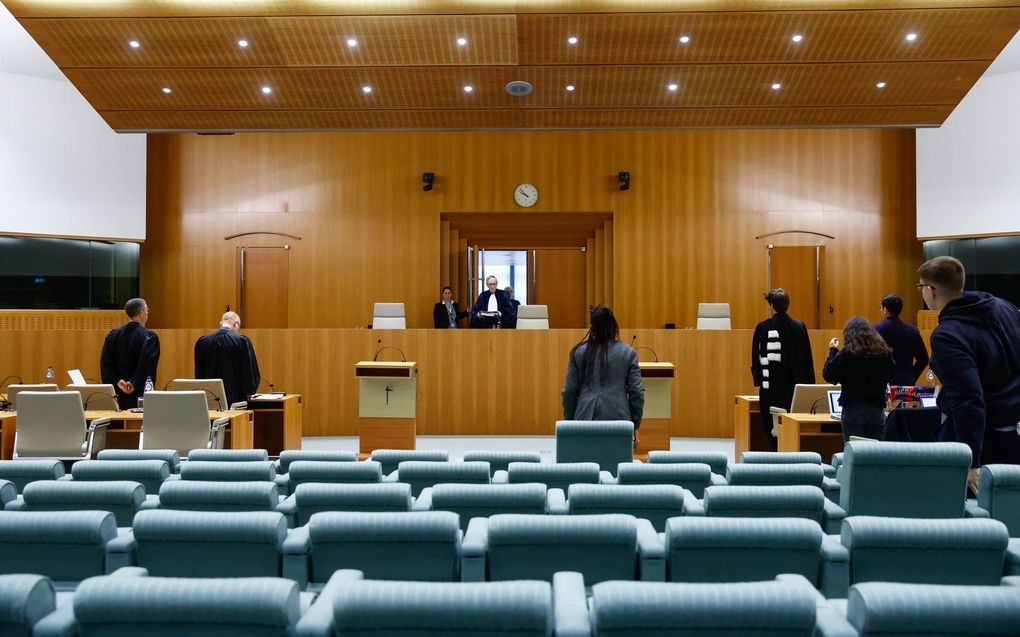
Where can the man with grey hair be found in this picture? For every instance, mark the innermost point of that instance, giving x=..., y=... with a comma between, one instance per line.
x=130, y=355
x=229, y=356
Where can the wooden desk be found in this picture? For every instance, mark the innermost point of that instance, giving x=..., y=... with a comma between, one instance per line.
x=810, y=432
x=278, y=422
x=748, y=432
x=130, y=423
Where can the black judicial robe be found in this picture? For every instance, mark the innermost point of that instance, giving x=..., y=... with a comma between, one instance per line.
x=780, y=359
x=131, y=353
x=229, y=356
x=508, y=317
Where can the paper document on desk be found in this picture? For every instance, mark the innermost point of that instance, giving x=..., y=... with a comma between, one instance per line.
x=76, y=376
x=273, y=396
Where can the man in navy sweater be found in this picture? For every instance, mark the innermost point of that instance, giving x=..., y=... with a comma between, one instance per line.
x=908, y=350
x=975, y=352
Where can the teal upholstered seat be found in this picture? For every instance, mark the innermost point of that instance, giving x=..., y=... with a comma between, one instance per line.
x=170, y=456
x=883, y=609
x=421, y=474
x=798, y=501
x=122, y=499
x=314, y=471
x=780, y=457
x=653, y=502
x=237, y=471
x=22, y=472
x=199, y=495
x=120, y=606
x=228, y=455
x=604, y=442
x=210, y=544
x=775, y=474
x=553, y=476
x=8, y=492
x=500, y=460
x=349, y=606
x=999, y=494
x=390, y=459
x=964, y=551
x=702, y=549
x=715, y=459
x=319, y=455
x=402, y=546
x=483, y=500
x=905, y=479
x=148, y=473
x=66, y=546
x=694, y=477
x=24, y=600
x=312, y=498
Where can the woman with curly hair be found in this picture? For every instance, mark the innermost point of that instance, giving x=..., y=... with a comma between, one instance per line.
x=863, y=367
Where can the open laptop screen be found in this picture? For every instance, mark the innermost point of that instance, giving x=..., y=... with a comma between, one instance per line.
x=834, y=407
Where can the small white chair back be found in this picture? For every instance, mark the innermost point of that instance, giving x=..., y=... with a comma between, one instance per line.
x=388, y=316
x=714, y=316
x=533, y=317
x=14, y=390
x=50, y=425
x=96, y=397
x=176, y=420
x=215, y=393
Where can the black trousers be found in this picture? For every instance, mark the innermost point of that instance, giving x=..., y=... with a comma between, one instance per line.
x=863, y=420
x=1001, y=447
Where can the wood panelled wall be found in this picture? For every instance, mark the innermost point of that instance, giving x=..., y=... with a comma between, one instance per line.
x=471, y=382
x=685, y=231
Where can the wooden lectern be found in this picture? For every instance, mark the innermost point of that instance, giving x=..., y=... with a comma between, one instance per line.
x=658, y=381
x=387, y=404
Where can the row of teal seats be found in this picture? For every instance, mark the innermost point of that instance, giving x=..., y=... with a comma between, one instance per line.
x=73, y=545
x=130, y=602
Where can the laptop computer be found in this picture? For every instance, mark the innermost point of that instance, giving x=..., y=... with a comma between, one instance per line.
x=835, y=409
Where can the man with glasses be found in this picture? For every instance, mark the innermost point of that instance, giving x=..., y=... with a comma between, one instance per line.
x=975, y=352
x=493, y=307
x=130, y=355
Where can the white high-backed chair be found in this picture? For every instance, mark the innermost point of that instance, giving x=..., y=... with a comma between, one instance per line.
x=14, y=390
x=533, y=317
x=179, y=420
x=51, y=424
x=96, y=397
x=215, y=392
x=714, y=316
x=388, y=316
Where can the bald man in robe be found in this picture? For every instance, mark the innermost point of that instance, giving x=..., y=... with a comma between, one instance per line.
x=227, y=355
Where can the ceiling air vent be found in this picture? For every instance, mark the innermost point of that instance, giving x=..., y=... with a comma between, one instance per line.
x=520, y=88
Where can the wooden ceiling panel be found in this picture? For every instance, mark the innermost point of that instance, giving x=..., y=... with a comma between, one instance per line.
x=199, y=8
x=754, y=37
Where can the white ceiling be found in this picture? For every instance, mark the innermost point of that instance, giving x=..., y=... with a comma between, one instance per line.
x=20, y=54
x=1009, y=60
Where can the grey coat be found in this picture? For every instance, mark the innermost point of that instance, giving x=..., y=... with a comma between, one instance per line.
x=621, y=398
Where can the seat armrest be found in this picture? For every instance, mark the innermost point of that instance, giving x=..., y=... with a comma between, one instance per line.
x=829, y=622
x=834, y=580
x=1011, y=580
x=150, y=502
x=424, y=500
x=1012, y=565
x=972, y=510
x=501, y=476
x=692, y=505
x=18, y=504
x=717, y=480
x=220, y=422
x=59, y=623
x=474, y=550
x=801, y=582
x=130, y=571
x=282, y=481
x=393, y=477
x=833, y=516
x=570, y=605
x=317, y=621
x=831, y=487
x=651, y=552
x=240, y=405
x=99, y=422
x=829, y=470
x=556, y=502
x=606, y=477
x=288, y=507
x=121, y=550
x=296, y=548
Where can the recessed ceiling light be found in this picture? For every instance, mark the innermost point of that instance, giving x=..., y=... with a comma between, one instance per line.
x=352, y=42
x=797, y=38
x=570, y=87
x=468, y=88
x=243, y=44
x=572, y=39
x=672, y=87
x=777, y=86
x=461, y=41
x=135, y=44
x=166, y=89
x=684, y=39
x=266, y=90
x=880, y=85
x=366, y=89
x=911, y=37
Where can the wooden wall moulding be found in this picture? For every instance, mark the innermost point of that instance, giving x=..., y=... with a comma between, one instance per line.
x=61, y=319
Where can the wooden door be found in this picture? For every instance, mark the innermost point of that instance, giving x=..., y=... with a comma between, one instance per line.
x=798, y=270
x=559, y=282
x=263, y=280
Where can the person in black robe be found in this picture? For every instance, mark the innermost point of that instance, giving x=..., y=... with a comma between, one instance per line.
x=130, y=355
x=229, y=356
x=780, y=358
x=501, y=303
